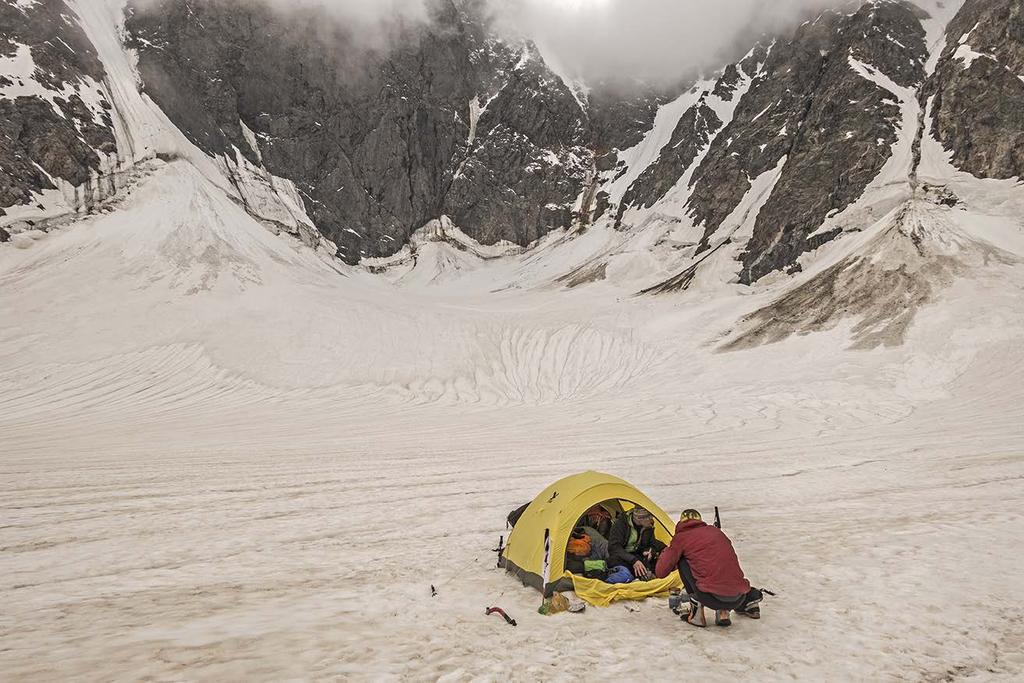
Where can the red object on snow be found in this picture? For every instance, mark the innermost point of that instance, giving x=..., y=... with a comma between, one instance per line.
x=492, y=610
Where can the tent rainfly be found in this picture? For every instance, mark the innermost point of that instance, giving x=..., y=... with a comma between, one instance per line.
x=549, y=521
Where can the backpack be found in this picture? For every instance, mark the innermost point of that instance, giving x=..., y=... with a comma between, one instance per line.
x=514, y=516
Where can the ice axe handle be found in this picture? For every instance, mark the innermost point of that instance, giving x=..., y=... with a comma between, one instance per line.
x=492, y=610
x=718, y=520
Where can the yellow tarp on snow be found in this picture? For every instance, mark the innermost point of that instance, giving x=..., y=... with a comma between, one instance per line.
x=601, y=594
x=557, y=509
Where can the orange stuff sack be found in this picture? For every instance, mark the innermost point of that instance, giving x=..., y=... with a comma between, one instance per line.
x=580, y=547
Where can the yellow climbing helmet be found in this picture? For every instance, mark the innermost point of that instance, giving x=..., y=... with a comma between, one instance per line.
x=689, y=513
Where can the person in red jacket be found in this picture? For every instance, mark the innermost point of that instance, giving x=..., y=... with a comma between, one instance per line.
x=710, y=571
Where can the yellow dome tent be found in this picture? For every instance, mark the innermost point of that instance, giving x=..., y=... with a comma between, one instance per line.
x=553, y=515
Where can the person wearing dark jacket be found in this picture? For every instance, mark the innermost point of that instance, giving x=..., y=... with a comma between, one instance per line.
x=710, y=571
x=631, y=542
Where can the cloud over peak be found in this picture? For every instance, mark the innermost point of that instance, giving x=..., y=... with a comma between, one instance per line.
x=647, y=39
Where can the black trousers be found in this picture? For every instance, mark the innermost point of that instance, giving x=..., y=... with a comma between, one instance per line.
x=711, y=600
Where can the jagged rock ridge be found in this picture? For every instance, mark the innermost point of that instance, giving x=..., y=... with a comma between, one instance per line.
x=817, y=101
x=454, y=120
x=450, y=120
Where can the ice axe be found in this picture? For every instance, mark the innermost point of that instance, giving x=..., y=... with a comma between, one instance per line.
x=500, y=549
x=498, y=610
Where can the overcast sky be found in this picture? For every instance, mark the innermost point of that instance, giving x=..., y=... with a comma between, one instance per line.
x=600, y=39
x=647, y=38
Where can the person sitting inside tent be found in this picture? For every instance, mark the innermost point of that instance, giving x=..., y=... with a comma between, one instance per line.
x=598, y=519
x=710, y=571
x=587, y=551
x=631, y=543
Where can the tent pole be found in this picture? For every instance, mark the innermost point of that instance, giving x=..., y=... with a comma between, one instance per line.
x=546, y=574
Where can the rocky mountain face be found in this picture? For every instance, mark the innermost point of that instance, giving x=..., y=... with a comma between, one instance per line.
x=816, y=102
x=55, y=124
x=448, y=120
x=451, y=118
x=978, y=89
x=839, y=128
x=692, y=135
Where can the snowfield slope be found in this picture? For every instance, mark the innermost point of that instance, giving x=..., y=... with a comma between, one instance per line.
x=226, y=456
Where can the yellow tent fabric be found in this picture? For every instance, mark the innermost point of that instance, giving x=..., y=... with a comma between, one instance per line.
x=557, y=509
x=601, y=594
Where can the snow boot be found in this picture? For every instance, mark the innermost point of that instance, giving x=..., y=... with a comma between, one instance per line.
x=695, y=617
x=722, y=617
x=751, y=608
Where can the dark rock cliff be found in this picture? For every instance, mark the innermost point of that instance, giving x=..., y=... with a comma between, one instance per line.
x=978, y=89
x=47, y=128
x=833, y=123
x=447, y=120
x=692, y=134
x=527, y=162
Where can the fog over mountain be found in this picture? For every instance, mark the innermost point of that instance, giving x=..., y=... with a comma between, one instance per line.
x=648, y=39
x=594, y=40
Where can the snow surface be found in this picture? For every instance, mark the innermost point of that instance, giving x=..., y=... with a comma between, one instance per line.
x=940, y=12
x=226, y=456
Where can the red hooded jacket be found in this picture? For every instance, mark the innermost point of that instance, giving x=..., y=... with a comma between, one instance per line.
x=711, y=557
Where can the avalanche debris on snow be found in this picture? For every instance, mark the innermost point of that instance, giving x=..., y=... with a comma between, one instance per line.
x=916, y=254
